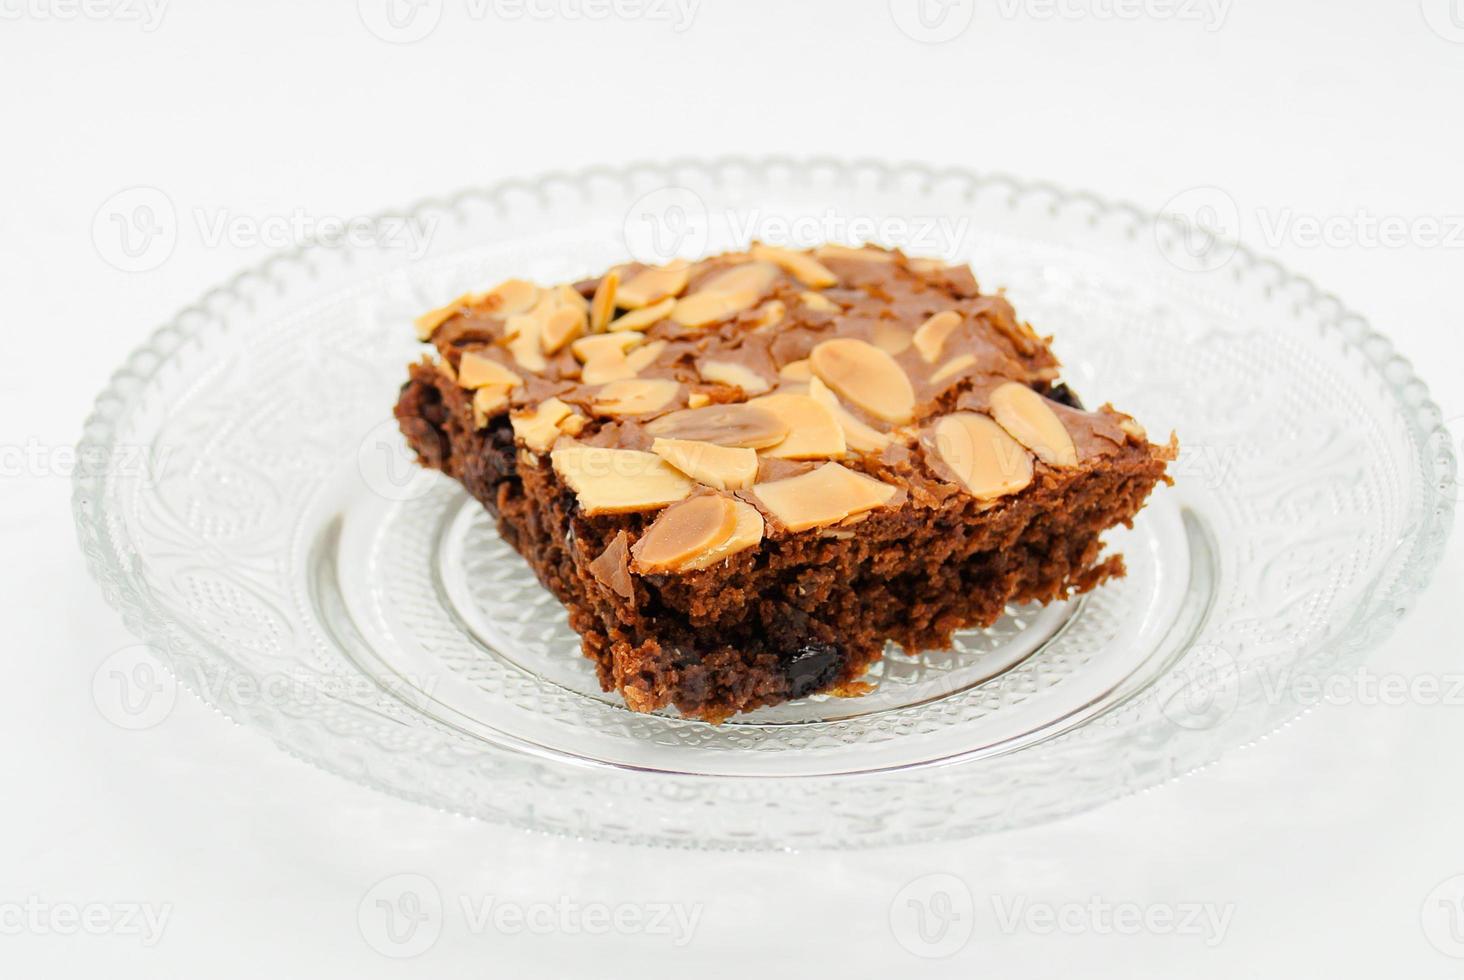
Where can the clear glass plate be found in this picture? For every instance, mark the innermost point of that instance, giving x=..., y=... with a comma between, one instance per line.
x=291, y=565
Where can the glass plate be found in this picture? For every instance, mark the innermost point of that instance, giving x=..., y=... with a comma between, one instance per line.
x=291, y=565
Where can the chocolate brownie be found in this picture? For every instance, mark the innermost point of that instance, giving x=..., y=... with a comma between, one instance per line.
x=744, y=476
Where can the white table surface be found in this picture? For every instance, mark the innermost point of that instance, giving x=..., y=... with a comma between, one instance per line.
x=1317, y=847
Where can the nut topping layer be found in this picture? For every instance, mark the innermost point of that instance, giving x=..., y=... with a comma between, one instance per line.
x=841, y=378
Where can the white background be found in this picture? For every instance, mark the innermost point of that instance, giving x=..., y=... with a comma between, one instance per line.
x=1321, y=842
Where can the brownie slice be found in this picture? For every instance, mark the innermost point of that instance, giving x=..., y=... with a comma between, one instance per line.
x=744, y=476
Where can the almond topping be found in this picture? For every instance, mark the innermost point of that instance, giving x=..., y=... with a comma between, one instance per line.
x=820, y=302
x=986, y=461
x=569, y=296
x=734, y=374
x=891, y=337
x=1032, y=422
x=643, y=357
x=801, y=266
x=931, y=336
x=683, y=531
x=953, y=367
x=796, y=371
x=813, y=432
x=509, y=297
x=720, y=467
x=606, y=367
x=561, y=326
x=705, y=307
x=524, y=331
x=539, y=427
x=476, y=370
x=826, y=495
x=860, y=437
x=743, y=426
x=697, y=399
x=618, y=481
x=652, y=286
x=863, y=374
x=747, y=533
x=756, y=277
x=488, y=401
x=636, y=396
x=644, y=317
x=769, y=315
x=620, y=341
x=1132, y=429
x=428, y=322
x=602, y=307
x=863, y=254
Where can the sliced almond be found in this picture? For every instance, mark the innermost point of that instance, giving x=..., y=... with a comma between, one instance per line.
x=952, y=368
x=618, y=481
x=813, y=432
x=984, y=459
x=735, y=374
x=697, y=399
x=602, y=307
x=824, y=496
x=1032, y=422
x=1133, y=429
x=743, y=426
x=769, y=315
x=746, y=533
x=684, y=530
x=853, y=254
x=509, y=297
x=428, y=322
x=606, y=367
x=445, y=366
x=561, y=326
x=860, y=437
x=707, y=307
x=891, y=337
x=756, y=277
x=635, y=396
x=796, y=371
x=820, y=302
x=652, y=286
x=932, y=335
x=539, y=427
x=586, y=348
x=800, y=265
x=488, y=401
x=643, y=317
x=643, y=357
x=865, y=376
x=524, y=330
x=569, y=296
x=476, y=370
x=720, y=467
